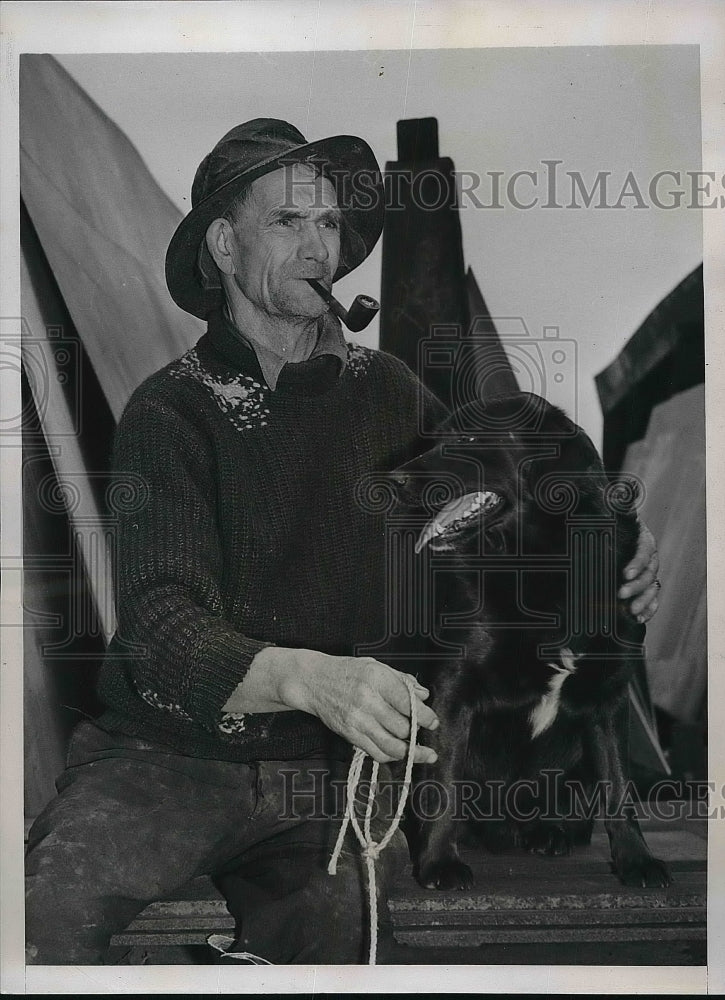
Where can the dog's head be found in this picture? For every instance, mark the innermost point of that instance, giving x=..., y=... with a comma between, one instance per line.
x=512, y=470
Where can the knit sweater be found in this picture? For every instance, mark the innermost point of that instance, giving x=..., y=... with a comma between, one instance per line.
x=239, y=526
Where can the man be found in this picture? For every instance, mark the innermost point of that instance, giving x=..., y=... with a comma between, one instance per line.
x=248, y=573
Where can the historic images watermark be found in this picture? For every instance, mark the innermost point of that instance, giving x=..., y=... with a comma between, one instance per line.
x=544, y=363
x=549, y=184
x=317, y=794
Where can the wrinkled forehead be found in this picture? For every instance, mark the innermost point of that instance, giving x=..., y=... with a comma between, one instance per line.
x=295, y=186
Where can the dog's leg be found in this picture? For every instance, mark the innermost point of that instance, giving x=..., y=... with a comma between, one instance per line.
x=563, y=782
x=555, y=837
x=631, y=858
x=436, y=863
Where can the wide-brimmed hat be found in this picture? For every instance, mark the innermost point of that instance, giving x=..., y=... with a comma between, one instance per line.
x=247, y=152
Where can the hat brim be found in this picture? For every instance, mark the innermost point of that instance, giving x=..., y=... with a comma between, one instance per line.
x=362, y=206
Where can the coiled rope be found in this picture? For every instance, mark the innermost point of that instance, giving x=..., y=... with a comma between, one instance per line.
x=371, y=849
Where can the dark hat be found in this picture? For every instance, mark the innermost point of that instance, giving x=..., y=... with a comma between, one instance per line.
x=247, y=152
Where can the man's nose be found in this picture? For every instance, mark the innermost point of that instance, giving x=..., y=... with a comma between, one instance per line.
x=312, y=246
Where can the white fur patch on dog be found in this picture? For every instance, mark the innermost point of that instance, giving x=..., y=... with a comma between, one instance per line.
x=543, y=715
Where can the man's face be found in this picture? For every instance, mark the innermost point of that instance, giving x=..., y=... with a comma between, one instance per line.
x=288, y=229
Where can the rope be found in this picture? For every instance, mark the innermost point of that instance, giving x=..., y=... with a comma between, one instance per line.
x=223, y=944
x=370, y=849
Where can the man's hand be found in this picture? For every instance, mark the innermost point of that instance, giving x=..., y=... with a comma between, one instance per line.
x=364, y=701
x=641, y=576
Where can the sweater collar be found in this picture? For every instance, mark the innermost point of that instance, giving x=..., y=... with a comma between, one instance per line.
x=318, y=373
x=236, y=348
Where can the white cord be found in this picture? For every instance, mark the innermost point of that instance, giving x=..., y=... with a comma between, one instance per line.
x=370, y=849
x=223, y=944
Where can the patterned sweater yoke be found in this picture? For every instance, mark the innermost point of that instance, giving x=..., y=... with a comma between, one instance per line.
x=248, y=527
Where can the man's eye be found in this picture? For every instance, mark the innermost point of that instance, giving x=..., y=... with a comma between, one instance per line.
x=285, y=221
x=330, y=224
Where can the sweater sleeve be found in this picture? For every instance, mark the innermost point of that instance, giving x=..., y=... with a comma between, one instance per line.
x=188, y=658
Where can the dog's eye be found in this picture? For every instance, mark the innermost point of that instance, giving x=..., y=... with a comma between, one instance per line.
x=467, y=440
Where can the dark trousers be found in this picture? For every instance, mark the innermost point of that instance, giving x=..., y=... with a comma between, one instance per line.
x=133, y=822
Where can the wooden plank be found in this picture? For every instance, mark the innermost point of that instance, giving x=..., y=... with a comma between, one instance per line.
x=522, y=899
x=561, y=918
x=548, y=893
x=579, y=953
x=474, y=937
x=179, y=923
x=187, y=917
x=189, y=936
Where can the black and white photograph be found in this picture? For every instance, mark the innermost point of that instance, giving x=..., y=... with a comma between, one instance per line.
x=362, y=497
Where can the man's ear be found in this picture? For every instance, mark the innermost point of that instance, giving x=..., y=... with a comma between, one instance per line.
x=218, y=239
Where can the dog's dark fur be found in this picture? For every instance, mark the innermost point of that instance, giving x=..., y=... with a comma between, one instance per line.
x=523, y=447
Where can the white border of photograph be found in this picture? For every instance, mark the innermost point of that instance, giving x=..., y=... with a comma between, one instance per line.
x=275, y=25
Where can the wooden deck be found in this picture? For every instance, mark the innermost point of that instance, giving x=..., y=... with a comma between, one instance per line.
x=570, y=910
x=524, y=909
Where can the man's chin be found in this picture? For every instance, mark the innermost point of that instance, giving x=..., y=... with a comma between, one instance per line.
x=297, y=312
x=303, y=305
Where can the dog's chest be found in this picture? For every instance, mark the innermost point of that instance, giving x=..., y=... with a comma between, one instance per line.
x=545, y=711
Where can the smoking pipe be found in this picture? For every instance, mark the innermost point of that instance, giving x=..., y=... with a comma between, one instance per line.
x=358, y=316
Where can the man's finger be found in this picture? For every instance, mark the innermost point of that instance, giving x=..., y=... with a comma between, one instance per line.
x=397, y=720
x=371, y=748
x=646, y=550
x=377, y=742
x=421, y=690
x=427, y=717
x=424, y=755
x=393, y=722
x=396, y=694
x=644, y=581
x=384, y=747
x=646, y=601
x=649, y=612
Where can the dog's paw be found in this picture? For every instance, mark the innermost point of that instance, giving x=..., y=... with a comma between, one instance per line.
x=646, y=872
x=449, y=873
x=547, y=838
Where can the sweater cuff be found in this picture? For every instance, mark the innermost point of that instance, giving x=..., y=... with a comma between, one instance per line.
x=227, y=656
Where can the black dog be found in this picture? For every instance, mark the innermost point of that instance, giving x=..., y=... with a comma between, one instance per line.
x=524, y=553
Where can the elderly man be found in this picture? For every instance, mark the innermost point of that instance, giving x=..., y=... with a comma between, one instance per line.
x=248, y=574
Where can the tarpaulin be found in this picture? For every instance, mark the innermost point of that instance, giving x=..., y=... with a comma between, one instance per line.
x=104, y=224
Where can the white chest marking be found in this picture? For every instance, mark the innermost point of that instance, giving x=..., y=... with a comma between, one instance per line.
x=543, y=714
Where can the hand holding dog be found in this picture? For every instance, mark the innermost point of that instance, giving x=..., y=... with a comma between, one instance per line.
x=641, y=575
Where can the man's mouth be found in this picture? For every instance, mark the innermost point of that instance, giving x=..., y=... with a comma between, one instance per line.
x=455, y=515
x=323, y=278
